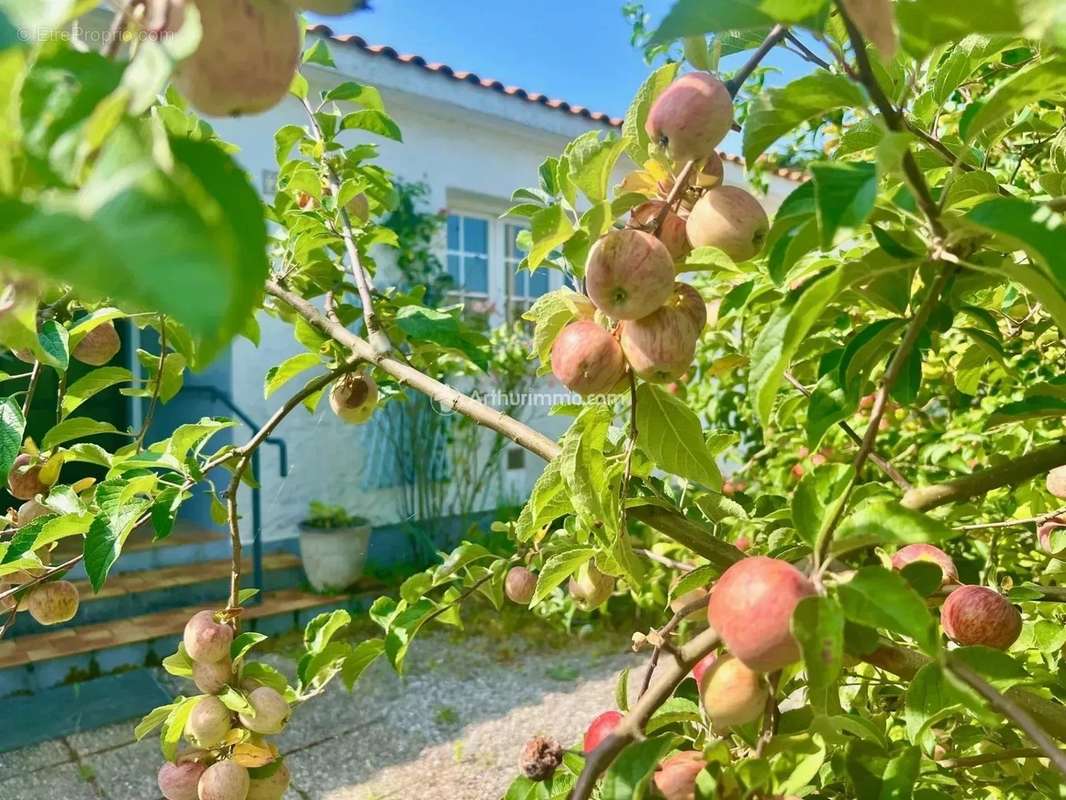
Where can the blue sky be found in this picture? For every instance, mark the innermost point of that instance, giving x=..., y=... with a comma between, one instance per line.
x=577, y=50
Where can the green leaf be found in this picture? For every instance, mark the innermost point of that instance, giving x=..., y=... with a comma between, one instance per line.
x=321, y=630
x=363, y=655
x=1029, y=408
x=637, y=115
x=925, y=24
x=696, y=17
x=670, y=434
x=775, y=112
x=278, y=376
x=240, y=646
x=630, y=771
x=592, y=162
x=548, y=500
x=152, y=720
x=827, y=406
x=1043, y=80
x=551, y=228
x=676, y=710
x=12, y=428
x=557, y=569
x=236, y=702
x=91, y=384
x=1026, y=226
x=816, y=495
x=844, y=193
x=882, y=599
x=879, y=522
x=75, y=428
x=549, y=315
x=103, y=543
x=319, y=53
x=818, y=625
x=351, y=92
x=54, y=347
x=786, y=329
x=264, y=674
x=372, y=121
x=174, y=725
x=427, y=325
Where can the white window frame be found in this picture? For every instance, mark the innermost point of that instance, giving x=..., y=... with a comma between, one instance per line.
x=460, y=292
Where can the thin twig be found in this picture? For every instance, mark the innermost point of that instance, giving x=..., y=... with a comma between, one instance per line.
x=1011, y=710
x=806, y=52
x=1014, y=523
x=27, y=401
x=670, y=563
x=157, y=388
x=663, y=634
x=117, y=32
x=777, y=33
x=379, y=340
x=990, y=758
x=882, y=463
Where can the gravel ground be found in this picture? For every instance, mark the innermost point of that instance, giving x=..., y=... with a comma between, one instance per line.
x=450, y=729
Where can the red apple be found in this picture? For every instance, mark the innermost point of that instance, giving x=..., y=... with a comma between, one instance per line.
x=751, y=608
x=675, y=777
x=672, y=233
x=519, y=585
x=712, y=174
x=1043, y=534
x=730, y=219
x=661, y=346
x=732, y=694
x=587, y=359
x=629, y=274
x=927, y=552
x=704, y=664
x=978, y=615
x=24, y=480
x=600, y=729
x=691, y=116
x=1056, y=482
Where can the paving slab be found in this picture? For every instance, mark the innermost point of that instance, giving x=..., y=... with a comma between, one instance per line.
x=65, y=782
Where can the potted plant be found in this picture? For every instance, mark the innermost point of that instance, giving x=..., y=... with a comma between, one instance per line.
x=333, y=546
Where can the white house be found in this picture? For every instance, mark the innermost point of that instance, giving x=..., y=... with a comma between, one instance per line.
x=472, y=141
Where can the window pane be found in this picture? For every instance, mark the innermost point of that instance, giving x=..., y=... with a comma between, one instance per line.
x=538, y=283
x=475, y=235
x=514, y=251
x=521, y=282
x=453, y=232
x=453, y=269
x=477, y=274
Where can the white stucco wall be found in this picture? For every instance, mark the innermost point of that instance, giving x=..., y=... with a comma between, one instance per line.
x=473, y=147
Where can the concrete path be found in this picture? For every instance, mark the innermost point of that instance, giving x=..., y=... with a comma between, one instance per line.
x=451, y=729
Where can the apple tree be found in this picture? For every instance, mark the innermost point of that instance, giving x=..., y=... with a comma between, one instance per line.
x=865, y=605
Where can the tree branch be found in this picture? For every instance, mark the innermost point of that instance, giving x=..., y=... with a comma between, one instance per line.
x=882, y=463
x=632, y=725
x=777, y=33
x=1020, y=469
x=1011, y=710
x=379, y=340
x=1014, y=523
x=664, y=633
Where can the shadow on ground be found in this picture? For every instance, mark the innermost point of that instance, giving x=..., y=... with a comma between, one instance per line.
x=450, y=729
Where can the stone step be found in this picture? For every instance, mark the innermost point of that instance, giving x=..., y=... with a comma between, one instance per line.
x=40, y=661
x=74, y=708
x=187, y=544
x=131, y=594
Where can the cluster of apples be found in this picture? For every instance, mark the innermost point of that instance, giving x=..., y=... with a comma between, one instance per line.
x=751, y=607
x=49, y=603
x=589, y=587
x=230, y=759
x=654, y=320
x=1056, y=484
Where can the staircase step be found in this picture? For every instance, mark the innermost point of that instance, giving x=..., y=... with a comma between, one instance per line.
x=186, y=544
x=44, y=660
x=131, y=594
x=66, y=710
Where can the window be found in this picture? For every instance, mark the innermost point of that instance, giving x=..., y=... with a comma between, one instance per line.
x=483, y=257
x=468, y=256
x=524, y=287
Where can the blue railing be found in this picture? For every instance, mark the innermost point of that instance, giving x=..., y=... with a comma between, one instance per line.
x=224, y=398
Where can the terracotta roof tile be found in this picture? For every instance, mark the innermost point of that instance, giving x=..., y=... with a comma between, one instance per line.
x=497, y=86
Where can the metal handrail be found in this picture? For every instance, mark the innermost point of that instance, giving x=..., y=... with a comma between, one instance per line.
x=283, y=469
